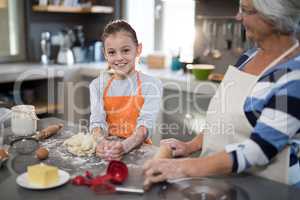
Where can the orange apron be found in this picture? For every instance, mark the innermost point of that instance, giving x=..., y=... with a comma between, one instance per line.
x=122, y=112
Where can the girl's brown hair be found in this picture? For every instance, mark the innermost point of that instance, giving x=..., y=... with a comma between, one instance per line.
x=119, y=26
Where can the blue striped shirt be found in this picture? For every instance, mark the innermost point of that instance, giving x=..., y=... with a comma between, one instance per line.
x=273, y=109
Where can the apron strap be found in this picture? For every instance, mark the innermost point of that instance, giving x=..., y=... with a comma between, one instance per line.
x=107, y=87
x=139, y=84
x=138, y=81
x=277, y=60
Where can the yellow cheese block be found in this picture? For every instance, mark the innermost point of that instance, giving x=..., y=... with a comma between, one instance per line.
x=42, y=175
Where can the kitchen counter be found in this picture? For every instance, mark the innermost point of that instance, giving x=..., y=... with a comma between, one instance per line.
x=171, y=80
x=253, y=187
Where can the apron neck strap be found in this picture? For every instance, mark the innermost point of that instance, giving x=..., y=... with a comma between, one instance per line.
x=277, y=60
x=112, y=78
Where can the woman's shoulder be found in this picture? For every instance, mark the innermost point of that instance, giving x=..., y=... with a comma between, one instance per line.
x=285, y=70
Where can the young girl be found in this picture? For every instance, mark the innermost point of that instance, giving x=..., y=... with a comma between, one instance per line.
x=124, y=103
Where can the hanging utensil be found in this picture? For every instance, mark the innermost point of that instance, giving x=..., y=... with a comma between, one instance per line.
x=238, y=43
x=206, y=28
x=216, y=54
x=228, y=34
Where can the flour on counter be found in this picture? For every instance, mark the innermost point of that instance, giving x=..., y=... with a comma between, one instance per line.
x=60, y=156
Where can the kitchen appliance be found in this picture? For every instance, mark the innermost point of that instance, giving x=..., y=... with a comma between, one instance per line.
x=46, y=48
x=65, y=55
x=78, y=44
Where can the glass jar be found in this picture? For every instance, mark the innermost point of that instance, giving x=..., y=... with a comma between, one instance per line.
x=23, y=120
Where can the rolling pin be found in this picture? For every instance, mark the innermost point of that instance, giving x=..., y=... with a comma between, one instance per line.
x=49, y=131
x=163, y=152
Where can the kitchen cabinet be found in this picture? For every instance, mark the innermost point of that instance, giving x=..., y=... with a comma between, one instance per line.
x=41, y=93
x=183, y=114
x=32, y=84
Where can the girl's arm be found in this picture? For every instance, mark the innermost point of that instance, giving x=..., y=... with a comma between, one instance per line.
x=98, y=125
x=135, y=139
x=152, y=92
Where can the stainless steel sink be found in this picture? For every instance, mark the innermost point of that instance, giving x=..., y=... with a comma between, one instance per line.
x=202, y=189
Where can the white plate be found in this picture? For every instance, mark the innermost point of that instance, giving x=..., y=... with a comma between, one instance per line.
x=23, y=182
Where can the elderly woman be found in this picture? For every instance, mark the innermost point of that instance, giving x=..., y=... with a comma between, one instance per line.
x=254, y=117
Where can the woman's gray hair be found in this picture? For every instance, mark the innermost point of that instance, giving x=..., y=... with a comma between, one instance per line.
x=284, y=14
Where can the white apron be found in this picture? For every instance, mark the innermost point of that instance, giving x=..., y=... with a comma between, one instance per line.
x=226, y=122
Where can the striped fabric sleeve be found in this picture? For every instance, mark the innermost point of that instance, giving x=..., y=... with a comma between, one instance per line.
x=277, y=125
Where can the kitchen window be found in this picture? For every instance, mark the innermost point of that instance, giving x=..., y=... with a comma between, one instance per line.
x=11, y=30
x=168, y=27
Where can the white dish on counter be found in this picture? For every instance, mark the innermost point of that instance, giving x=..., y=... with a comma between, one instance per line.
x=23, y=181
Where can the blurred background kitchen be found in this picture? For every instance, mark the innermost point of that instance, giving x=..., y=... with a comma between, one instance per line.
x=51, y=50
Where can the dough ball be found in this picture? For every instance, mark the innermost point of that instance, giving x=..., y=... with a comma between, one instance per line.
x=42, y=153
x=81, y=144
x=87, y=143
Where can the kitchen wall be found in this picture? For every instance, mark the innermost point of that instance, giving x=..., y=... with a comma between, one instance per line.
x=4, y=50
x=219, y=12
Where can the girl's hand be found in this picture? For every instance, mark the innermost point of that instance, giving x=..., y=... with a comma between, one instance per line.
x=101, y=148
x=109, y=150
x=178, y=147
x=116, y=151
x=158, y=170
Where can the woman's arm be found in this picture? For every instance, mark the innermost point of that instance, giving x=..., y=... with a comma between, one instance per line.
x=274, y=128
x=184, y=149
x=196, y=143
x=162, y=169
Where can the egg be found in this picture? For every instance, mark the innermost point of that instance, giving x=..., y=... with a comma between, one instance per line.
x=3, y=154
x=42, y=153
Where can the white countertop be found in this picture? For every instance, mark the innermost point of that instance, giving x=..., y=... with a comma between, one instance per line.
x=171, y=80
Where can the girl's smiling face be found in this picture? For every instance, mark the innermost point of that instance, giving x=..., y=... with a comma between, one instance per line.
x=121, y=52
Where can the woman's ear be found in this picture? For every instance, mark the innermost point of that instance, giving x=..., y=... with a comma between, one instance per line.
x=139, y=49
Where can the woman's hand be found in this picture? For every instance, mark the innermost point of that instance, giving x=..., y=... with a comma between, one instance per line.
x=178, y=147
x=158, y=170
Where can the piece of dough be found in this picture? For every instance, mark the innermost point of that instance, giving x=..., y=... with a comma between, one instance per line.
x=81, y=144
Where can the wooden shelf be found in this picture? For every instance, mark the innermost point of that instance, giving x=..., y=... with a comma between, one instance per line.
x=42, y=108
x=80, y=10
x=202, y=17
